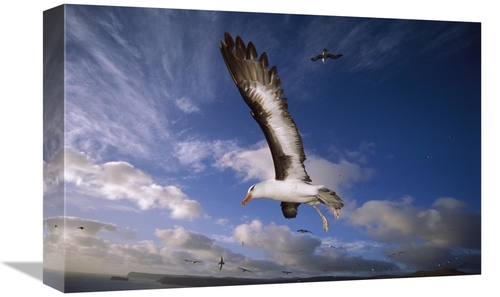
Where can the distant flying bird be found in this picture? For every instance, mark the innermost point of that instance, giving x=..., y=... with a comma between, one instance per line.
x=286, y=272
x=304, y=231
x=193, y=261
x=396, y=254
x=244, y=270
x=342, y=175
x=81, y=228
x=261, y=91
x=330, y=246
x=428, y=157
x=55, y=226
x=221, y=263
x=324, y=55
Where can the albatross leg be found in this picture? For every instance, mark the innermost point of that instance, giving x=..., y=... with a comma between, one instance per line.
x=325, y=221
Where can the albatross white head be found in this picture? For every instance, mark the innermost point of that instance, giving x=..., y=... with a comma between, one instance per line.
x=251, y=193
x=263, y=189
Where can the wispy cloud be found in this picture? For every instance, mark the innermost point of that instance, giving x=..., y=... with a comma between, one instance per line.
x=187, y=106
x=120, y=93
x=197, y=153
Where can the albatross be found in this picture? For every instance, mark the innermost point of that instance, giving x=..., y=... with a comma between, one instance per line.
x=244, y=269
x=221, y=263
x=261, y=90
x=324, y=55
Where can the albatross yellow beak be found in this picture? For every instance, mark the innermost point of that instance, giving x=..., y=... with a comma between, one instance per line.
x=247, y=198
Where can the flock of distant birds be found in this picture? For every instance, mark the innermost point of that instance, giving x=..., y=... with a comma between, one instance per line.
x=371, y=270
x=221, y=263
x=396, y=254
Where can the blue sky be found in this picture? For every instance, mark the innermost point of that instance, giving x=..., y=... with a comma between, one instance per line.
x=161, y=149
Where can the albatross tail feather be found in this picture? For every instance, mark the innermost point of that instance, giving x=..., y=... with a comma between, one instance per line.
x=331, y=199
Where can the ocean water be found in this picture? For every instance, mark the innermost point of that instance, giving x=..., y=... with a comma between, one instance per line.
x=86, y=282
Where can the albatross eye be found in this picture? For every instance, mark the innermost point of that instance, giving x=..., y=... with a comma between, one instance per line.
x=251, y=188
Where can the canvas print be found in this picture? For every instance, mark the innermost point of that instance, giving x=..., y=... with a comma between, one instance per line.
x=193, y=148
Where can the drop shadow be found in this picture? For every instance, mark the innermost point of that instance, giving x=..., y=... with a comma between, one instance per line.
x=33, y=269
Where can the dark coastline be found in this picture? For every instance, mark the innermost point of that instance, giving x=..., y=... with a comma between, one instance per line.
x=206, y=281
x=70, y=282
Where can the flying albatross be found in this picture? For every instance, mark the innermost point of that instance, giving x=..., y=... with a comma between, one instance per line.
x=221, y=263
x=244, y=269
x=324, y=55
x=261, y=90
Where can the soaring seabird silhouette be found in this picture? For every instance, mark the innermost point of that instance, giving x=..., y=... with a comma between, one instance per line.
x=261, y=90
x=221, y=263
x=396, y=254
x=193, y=261
x=324, y=55
x=244, y=270
x=81, y=228
x=304, y=231
x=286, y=272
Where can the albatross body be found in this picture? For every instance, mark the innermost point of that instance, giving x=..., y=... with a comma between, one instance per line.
x=261, y=90
x=324, y=55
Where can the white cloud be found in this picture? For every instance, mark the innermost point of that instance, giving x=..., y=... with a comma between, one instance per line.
x=222, y=222
x=196, y=153
x=444, y=225
x=448, y=202
x=118, y=181
x=182, y=238
x=250, y=164
x=335, y=175
x=273, y=238
x=87, y=250
x=186, y=105
x=362, y=152
x=92, y=227
x=256, y=164
x=304, y=253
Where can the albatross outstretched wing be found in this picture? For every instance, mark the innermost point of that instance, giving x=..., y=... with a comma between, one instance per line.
x=332, y=56
x=262, y=92
x=317, y=57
